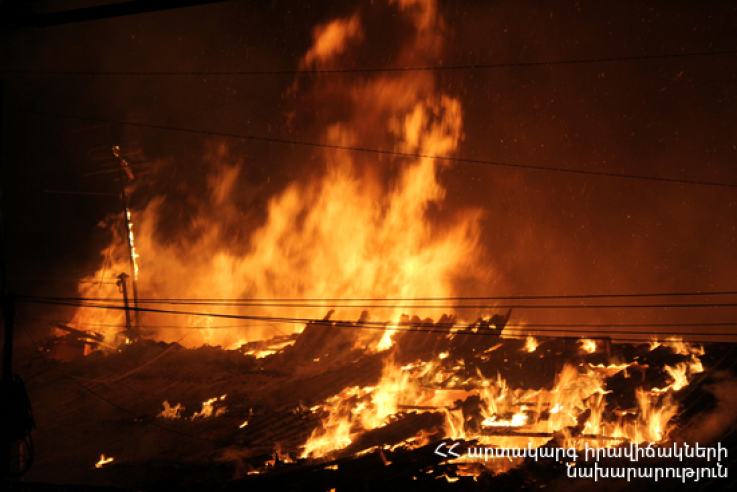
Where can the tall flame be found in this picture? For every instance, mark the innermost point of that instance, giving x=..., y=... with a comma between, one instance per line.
x=361, y=228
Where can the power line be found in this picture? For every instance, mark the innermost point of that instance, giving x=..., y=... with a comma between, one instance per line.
x=455, y=306
x=75, y=380
x=112, y=325
x=434, y=68
x=460, y=298
x=122, y=376
x=372, y=151
x=81, y=301
x=518, y=325
x=412, y=327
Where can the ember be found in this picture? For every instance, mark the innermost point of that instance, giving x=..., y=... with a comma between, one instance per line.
x=103, y=461
x=209, y=408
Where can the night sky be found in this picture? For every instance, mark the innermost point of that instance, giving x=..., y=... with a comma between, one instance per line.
x=544, y=232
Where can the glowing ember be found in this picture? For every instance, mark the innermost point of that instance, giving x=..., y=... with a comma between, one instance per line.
x=588, y=345
x=612, y=369
x=531, y=344
x=577, y=400
x=260, y=354
x=237, y=345
x=209, y=410
x=266, y=349
x=518, y=420
x=170, y=412
x=103, y=461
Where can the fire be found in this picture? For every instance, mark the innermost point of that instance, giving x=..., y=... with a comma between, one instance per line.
x=531, y=344
x=103, y=461
x=575, y=406
x=335, y=434
x=170, y=412
x=260, y=354
x=517, y=420
x=385, y=397
x=695, y=366
x=653, y=421
x=358, y=409
x=362, y=228
x=358, y=226
x=679, y=374
x=386, y=341
x=612, y=369
x=678, y=346
x=209, y=409
x=681, y=348
x=133, y=253
x=588, y=345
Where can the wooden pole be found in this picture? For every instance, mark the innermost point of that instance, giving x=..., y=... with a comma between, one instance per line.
x=123, y=283
x=126, y=220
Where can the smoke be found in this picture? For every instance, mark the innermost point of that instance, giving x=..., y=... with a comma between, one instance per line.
x=715, y=424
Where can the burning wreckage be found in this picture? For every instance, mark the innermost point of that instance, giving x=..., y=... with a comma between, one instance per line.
x=409, y=404
x=412, y=405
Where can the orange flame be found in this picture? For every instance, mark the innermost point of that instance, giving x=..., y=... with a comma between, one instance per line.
x=209, y=409
x=170, y=412
x=588, y=346
x=531, y=344
x=103, y=461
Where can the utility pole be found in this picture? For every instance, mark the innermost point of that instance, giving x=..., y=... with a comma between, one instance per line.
x=124, y=172
x=123, y=284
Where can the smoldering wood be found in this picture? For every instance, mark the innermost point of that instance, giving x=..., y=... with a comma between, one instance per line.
x=275, y=394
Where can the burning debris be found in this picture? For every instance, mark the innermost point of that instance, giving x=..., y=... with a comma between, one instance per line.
x=400, y=404
x=531, y=344
x=211, y=408
x=588, y=346
x=170, y=412
x=104, y=461
x=368, y=392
